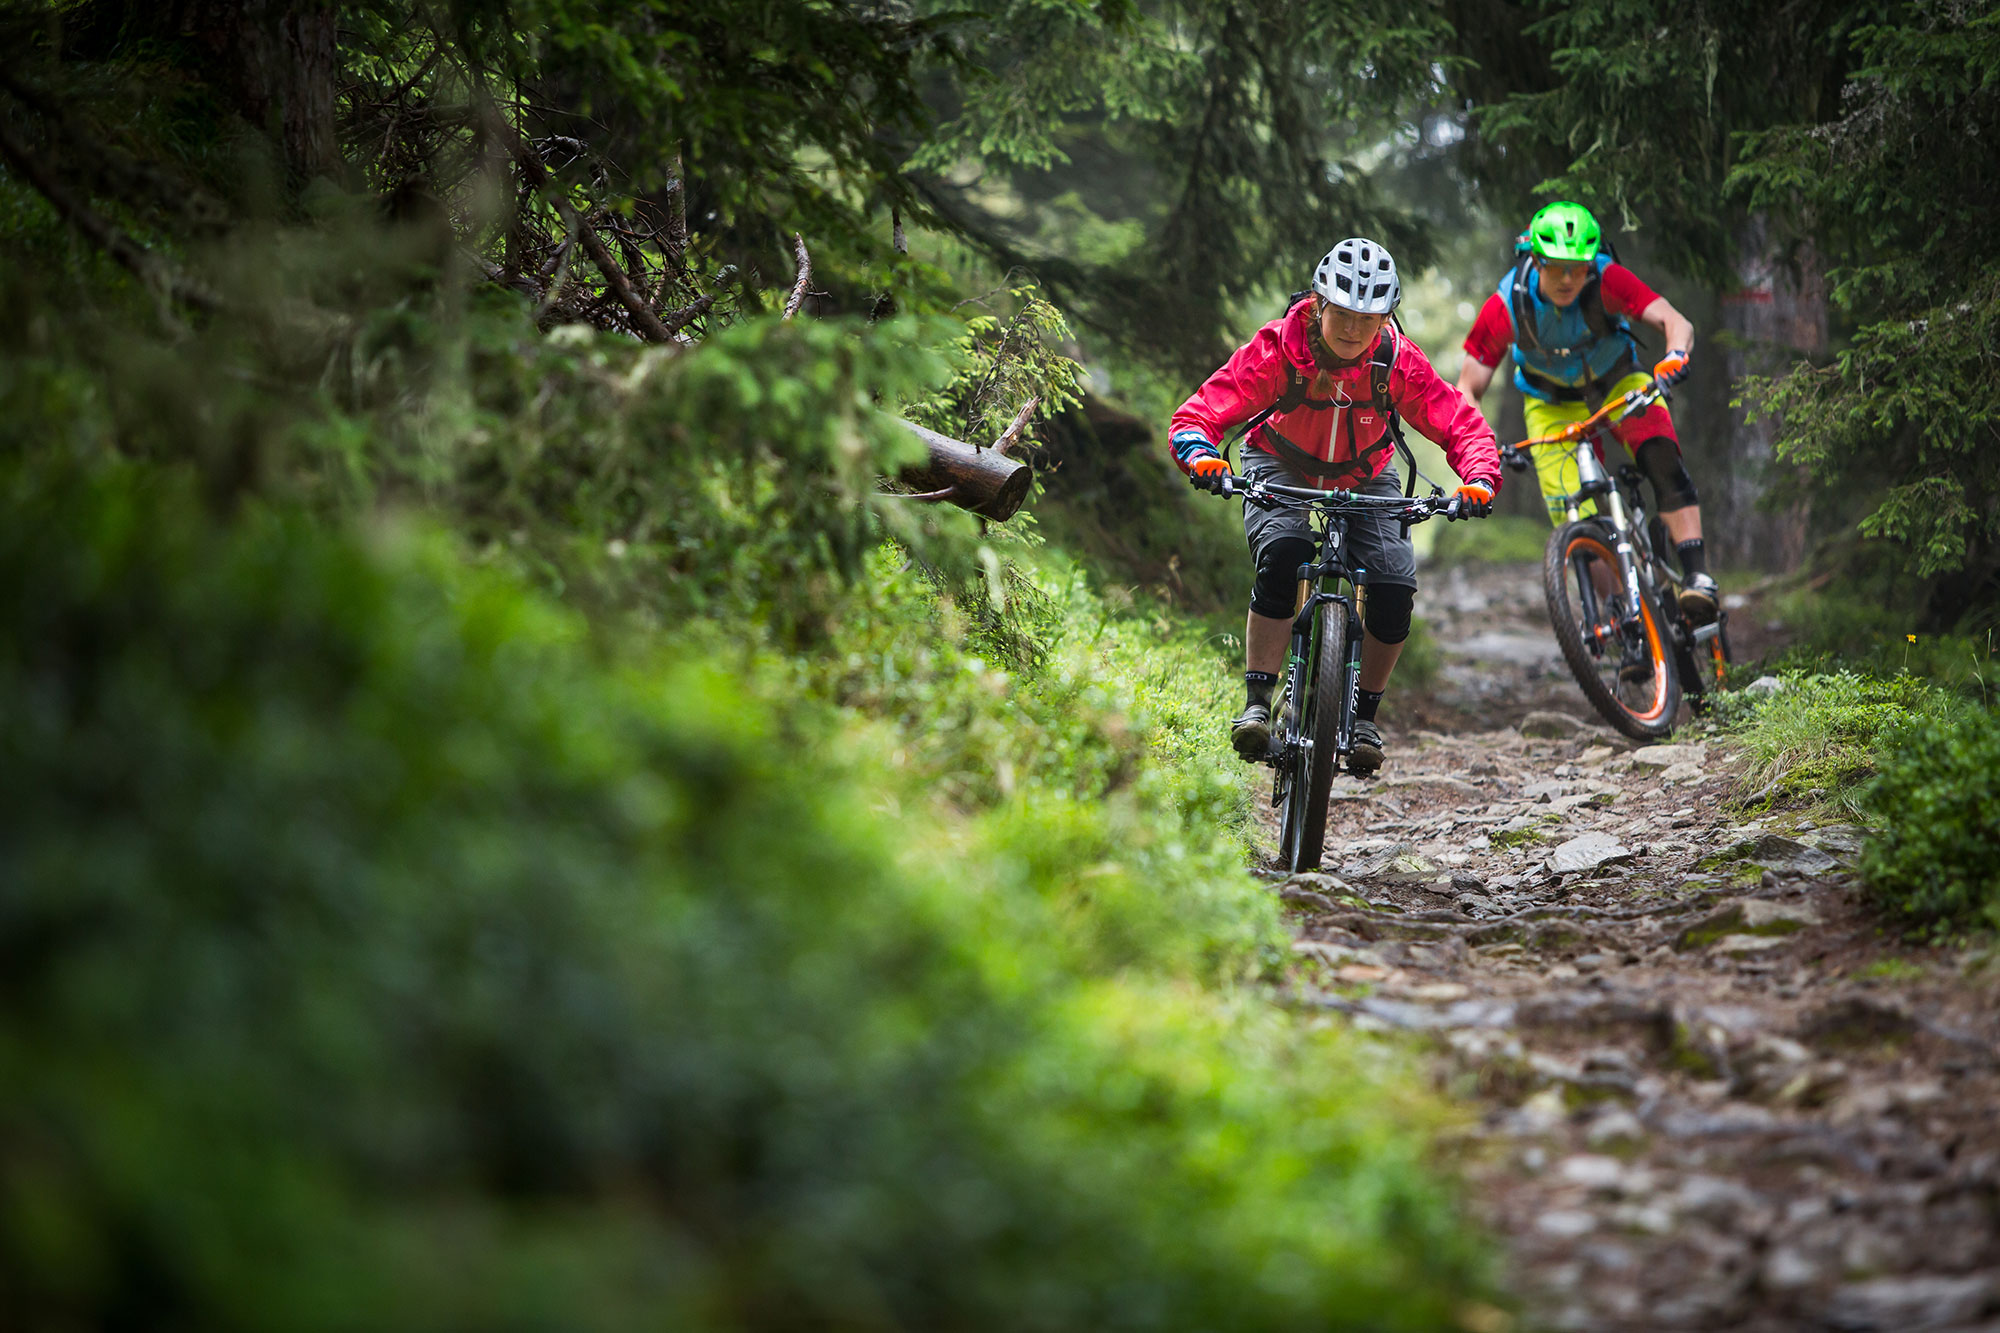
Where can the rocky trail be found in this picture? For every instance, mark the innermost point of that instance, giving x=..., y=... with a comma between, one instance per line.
x=1704, y=1090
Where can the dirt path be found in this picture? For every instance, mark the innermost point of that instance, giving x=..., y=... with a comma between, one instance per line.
x=1706, y=1093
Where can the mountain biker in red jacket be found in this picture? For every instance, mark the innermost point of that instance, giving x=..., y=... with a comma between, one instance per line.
x=1315, y=370
x=1562, y=311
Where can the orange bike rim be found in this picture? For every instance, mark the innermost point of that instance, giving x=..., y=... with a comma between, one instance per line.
x=1658, y=705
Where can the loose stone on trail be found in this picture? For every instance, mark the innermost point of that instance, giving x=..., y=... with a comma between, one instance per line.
x=1666, y=756
x=1550, y=725
x=1775, y=852
x=1742, y=918
x=1587, y=853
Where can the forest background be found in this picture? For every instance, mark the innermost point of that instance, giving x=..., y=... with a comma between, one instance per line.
x=510, y=821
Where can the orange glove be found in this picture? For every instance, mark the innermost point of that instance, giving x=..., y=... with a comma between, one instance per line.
x=1207, y=472
x=1673, y=367
x=1205, y=467
x=1476, y=497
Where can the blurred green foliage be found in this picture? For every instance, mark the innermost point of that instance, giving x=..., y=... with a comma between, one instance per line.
x=381, y=951
x=513, y=823
x=1502, y=539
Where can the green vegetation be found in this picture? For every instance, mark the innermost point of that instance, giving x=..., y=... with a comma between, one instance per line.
x=514, y=820
x=1822, y=733
x=372, y=927
x=1918, y=762
x=1936, y=861
x=1890, y=969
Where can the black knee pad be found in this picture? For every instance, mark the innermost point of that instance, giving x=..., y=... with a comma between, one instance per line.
x=1660, y=459
x=1276, y=592
x=1387, y=613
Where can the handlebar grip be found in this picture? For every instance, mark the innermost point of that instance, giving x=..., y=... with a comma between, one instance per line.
x=1514, y=458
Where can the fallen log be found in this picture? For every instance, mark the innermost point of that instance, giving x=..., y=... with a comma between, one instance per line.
x=975, y=477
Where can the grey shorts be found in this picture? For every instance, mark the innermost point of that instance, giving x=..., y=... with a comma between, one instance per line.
x=1375, y=544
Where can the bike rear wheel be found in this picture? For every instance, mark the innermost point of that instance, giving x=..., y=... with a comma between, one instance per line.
x=1302, y=839
x=1619, y=654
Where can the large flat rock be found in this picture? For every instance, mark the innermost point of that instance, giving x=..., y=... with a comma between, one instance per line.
x=1587, y=852
x=1666, y=756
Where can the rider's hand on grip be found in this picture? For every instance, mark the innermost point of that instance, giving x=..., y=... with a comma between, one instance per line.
x=1673, y=367
x=1516, y=459
x=1208, y=470
x=1475, y=499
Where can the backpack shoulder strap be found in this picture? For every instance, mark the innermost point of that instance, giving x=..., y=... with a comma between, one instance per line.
x=1521, y=305
x=1294, y=393
x=1380, y=365
x=1591, y=303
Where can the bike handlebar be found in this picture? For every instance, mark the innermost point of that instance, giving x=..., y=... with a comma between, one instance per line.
x=1409, y=508
x=1617, y=409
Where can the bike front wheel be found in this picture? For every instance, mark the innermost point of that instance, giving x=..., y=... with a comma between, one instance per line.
x=1302, y=839
x=1617, y=652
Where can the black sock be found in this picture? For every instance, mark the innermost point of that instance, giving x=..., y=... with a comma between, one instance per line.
x=1365, y=704
x=1258, y=685
x=1694, y=560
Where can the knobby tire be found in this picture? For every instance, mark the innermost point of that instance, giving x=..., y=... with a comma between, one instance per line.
x=1560, y=575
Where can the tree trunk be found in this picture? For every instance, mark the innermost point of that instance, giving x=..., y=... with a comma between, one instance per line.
x=273, y=61
x=1777, y=312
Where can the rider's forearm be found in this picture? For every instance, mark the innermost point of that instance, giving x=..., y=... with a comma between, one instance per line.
x=1474, y=379
x=1672, y=324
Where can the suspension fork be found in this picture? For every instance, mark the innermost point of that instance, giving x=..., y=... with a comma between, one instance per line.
x=1305, y=642
x=1628, y=555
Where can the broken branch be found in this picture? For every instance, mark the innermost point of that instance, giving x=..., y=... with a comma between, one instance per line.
x=805, y=275
x=1013, y=431
x=680, y=319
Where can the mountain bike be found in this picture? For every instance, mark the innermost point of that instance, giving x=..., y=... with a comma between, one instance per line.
x=1614, y=593
x=1313, y=714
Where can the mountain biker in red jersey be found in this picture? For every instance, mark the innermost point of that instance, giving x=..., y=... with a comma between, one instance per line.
x=1317, y=388
x=1562, y=311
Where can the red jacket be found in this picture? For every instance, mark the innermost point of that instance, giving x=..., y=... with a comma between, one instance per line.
x=1255, y=377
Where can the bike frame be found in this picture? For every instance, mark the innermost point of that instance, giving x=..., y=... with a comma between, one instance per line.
x=1620, y=503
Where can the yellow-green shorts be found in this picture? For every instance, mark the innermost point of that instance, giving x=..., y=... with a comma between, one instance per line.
x=1555, y=467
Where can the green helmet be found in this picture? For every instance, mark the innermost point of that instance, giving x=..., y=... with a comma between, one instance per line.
x=1565, y=231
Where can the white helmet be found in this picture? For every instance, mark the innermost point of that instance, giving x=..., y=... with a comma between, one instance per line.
x=1358, y=275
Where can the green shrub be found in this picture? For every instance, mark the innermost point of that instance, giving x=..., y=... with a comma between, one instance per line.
x=1935, y=860
x=379, y=952
x=1821, y=731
